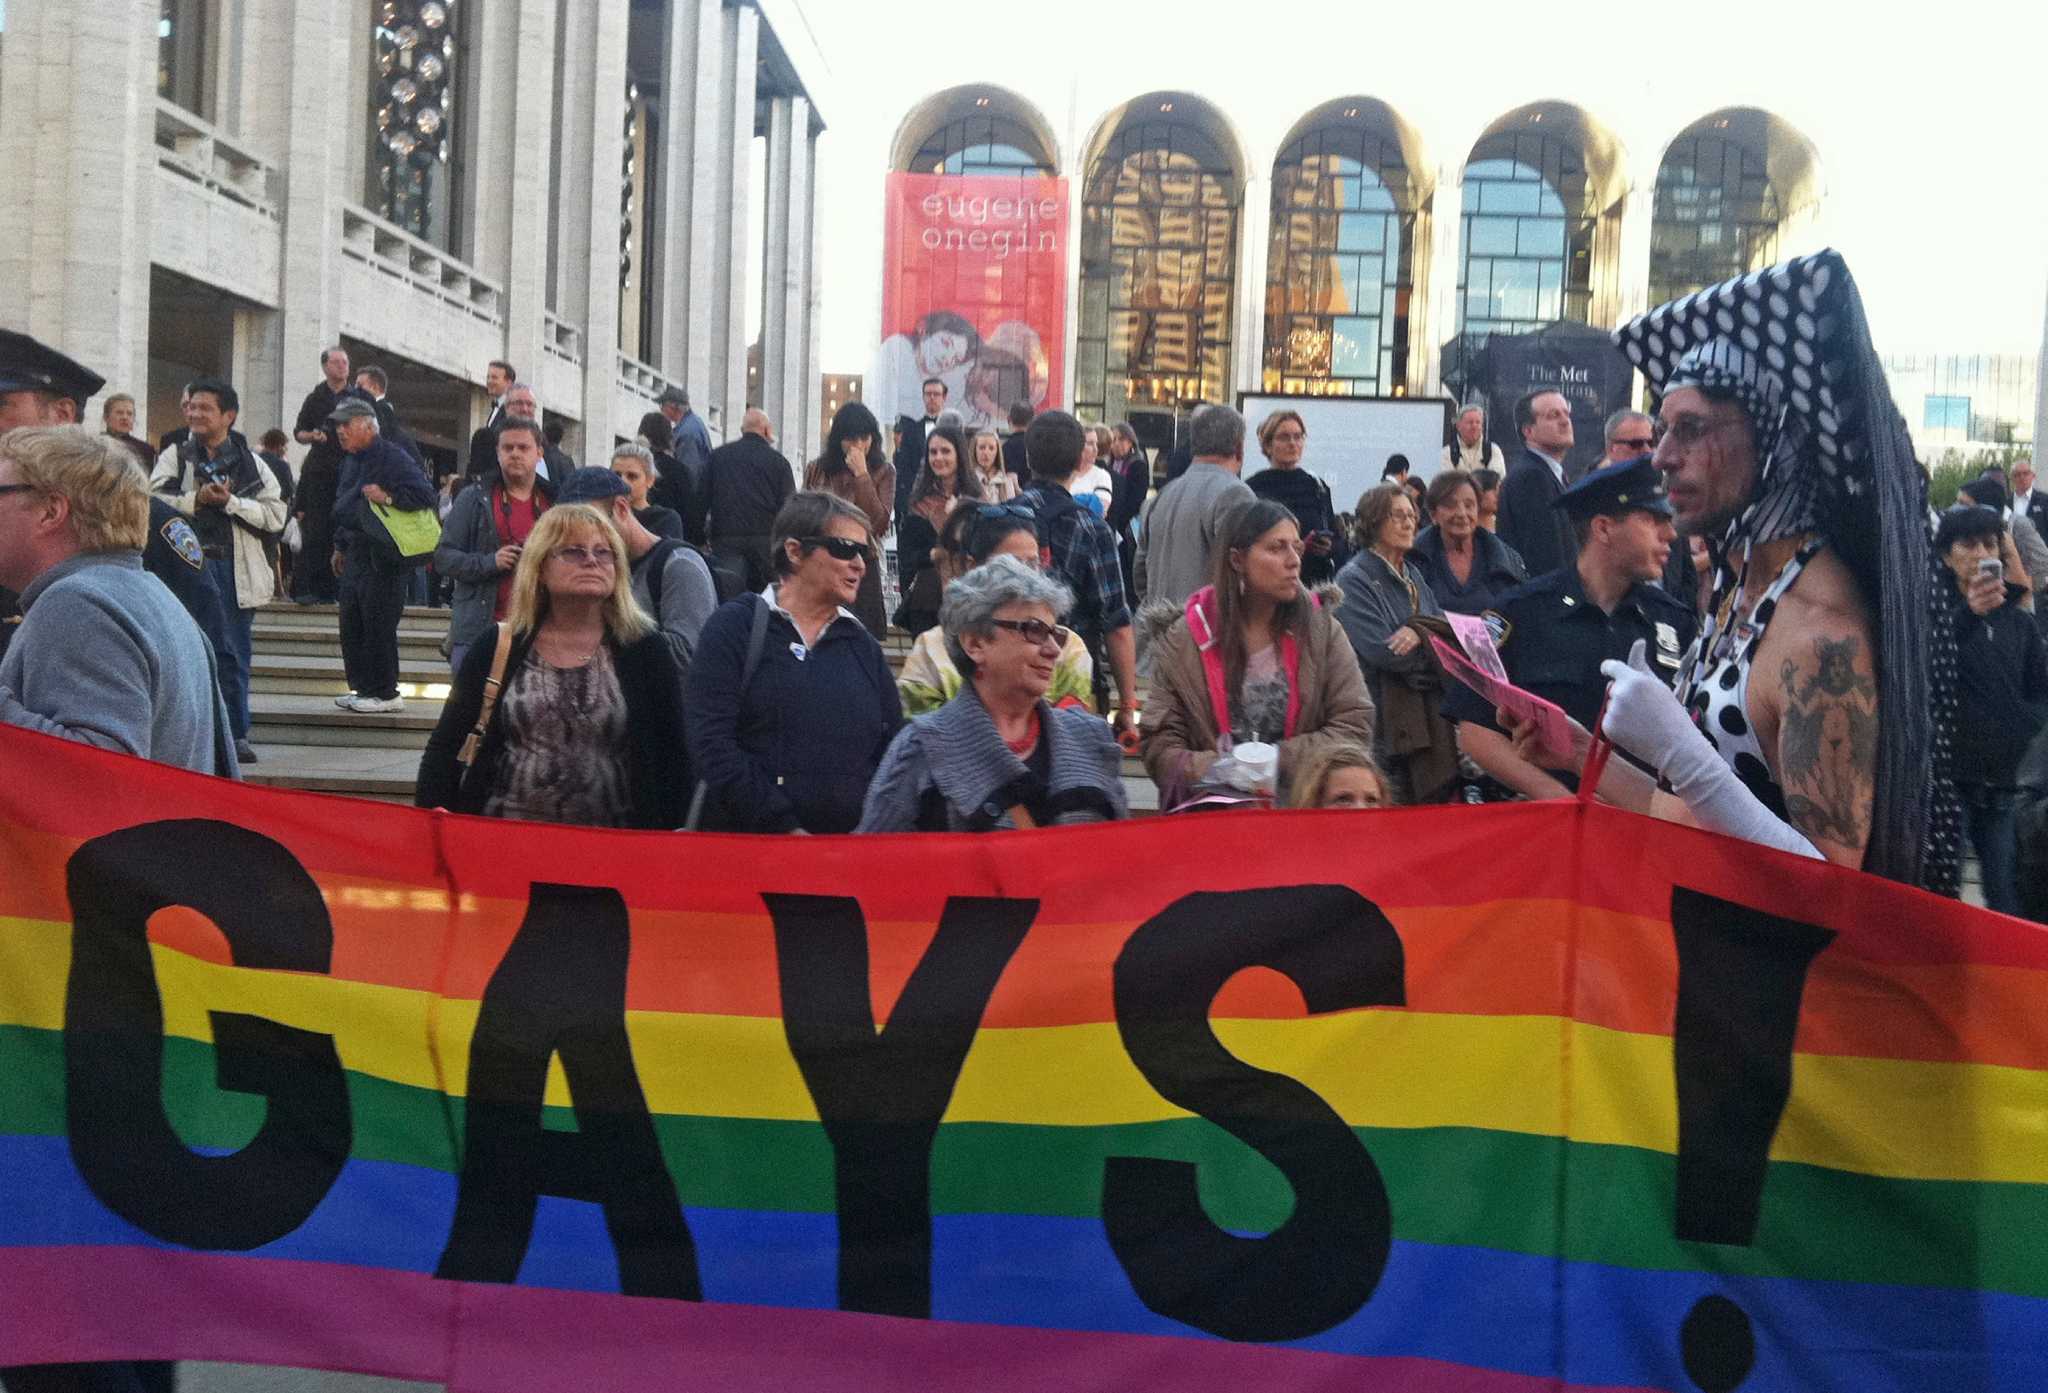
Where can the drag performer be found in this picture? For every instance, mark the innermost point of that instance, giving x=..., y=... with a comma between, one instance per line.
x=1812, y=712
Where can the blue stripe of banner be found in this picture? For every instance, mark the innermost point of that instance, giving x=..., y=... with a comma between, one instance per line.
x=1468, y=1306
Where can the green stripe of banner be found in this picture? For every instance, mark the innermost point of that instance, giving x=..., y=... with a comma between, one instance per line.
x=1459, y=1186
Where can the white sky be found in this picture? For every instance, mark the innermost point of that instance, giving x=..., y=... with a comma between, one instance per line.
x=1928, y=118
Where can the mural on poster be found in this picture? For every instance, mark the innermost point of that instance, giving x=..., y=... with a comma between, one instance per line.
x=974, y=294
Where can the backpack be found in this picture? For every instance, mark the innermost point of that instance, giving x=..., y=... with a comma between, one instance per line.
x=723, y=581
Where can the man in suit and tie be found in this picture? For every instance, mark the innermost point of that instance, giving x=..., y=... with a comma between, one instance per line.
x=1528, y=521
x=910, y=435
x=483, y=446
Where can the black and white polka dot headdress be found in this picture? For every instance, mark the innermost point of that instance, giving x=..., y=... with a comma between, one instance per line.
x=1792, y=344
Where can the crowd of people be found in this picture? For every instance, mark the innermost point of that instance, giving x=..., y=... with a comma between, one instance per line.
x=690, y=637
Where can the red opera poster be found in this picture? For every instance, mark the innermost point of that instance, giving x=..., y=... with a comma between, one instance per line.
x=974, y=292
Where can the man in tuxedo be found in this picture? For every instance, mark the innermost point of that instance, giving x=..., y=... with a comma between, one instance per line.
x=910, y=436
x=1528, y=520
x=483, y=446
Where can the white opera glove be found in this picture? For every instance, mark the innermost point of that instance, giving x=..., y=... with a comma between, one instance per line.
x=1645, y=718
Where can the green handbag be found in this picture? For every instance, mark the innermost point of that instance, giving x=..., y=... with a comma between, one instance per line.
x=409, y=534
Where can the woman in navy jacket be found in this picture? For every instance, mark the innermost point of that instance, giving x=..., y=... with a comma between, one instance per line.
x=790, y=703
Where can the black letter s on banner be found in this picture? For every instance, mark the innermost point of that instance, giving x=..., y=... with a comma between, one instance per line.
x=1321, y=1265
x=122, y=1141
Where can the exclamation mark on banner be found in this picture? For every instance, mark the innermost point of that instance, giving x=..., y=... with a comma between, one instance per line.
x=1741, y=973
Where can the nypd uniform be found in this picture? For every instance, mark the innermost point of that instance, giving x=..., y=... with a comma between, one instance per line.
x=1552, y=638
x=29, y=365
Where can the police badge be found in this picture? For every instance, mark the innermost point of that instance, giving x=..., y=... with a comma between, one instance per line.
x=180, y=537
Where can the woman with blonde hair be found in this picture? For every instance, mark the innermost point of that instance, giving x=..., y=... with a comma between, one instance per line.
x=1342, y=775
x=573, y=700
x=998, y=484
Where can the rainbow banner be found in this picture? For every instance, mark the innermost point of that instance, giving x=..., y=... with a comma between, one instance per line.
x=1493, y=1100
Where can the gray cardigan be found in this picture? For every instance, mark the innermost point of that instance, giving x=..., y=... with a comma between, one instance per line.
x=950, y=771
x=1375, y=604
x=106, y=656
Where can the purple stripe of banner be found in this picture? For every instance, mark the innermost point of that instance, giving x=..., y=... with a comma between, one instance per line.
x=130, y=1303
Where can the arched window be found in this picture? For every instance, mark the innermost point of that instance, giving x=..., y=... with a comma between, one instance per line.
x=1339, y=269
x=1718, y=216
x=1527, y=253
x=1158, y=263
x=982, y=144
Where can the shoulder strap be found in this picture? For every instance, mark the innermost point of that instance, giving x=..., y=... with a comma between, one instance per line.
x=492, y=686
x=757, y=639
x=657, y=563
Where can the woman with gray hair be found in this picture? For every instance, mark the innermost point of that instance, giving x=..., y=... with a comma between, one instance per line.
x=998, y=755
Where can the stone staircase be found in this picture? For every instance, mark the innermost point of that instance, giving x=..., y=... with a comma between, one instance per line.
x=304, y=741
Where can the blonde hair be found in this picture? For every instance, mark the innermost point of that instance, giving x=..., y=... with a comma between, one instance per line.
x=1314, y=773
x=105, y=487
x=559, y=526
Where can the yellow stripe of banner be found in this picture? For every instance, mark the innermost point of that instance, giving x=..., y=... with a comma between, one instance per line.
x=1375, y=1068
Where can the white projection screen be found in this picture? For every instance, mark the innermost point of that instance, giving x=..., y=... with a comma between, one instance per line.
x=1350, y=438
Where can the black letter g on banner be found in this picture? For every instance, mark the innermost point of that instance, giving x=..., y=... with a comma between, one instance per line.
x=122, y=1141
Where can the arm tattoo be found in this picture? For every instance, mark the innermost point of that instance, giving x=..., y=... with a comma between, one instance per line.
x=1827, y=743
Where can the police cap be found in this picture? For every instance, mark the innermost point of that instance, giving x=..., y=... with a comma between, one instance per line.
x=1617, y=488
x=27, y=365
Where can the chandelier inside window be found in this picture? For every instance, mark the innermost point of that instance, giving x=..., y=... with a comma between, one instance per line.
x=415, y=55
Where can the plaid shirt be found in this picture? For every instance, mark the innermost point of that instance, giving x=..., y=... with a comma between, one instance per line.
x=1084, y=555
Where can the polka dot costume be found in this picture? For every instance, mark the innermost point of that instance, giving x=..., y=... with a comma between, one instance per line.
x=1714, y=684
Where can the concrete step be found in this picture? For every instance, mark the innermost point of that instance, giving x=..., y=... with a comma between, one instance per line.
x=328, y=617
x=323, y=675
x=381, y=775
x=286, y=718
x=271, y=636
x=388, y=775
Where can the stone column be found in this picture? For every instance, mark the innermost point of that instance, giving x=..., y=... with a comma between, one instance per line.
x=1248, y=332
x=520, y=205
x=804, y=436
x=2041, y=397
x=78, y=137
x=314, y=180
x=786, y=275
x=724, y=394
x=1441, y=317
x=1629, y=296
x=690, y=93
x=605, y=117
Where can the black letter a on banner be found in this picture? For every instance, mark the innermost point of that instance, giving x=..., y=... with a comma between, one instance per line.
x=881, y=1096
x=562, y=990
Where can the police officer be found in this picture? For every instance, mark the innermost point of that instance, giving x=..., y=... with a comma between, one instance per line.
x=41, y=387
x=1554, y=631
x=38, y=387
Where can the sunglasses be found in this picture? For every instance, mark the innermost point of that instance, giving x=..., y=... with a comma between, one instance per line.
x=1035, y=632
x=841, y=548
x=1644, y=443
x=586, y=556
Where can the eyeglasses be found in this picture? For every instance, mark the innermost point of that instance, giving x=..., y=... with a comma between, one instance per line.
x=1688, y=431
x=1289, y=437
x=1642, y=443
x=17, y=488
x=841, y=548
x=586, y=556
x=1035, y=632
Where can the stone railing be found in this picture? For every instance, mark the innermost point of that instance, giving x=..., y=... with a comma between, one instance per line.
x=563, y=340
x=194, y=149
x=426, y=268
